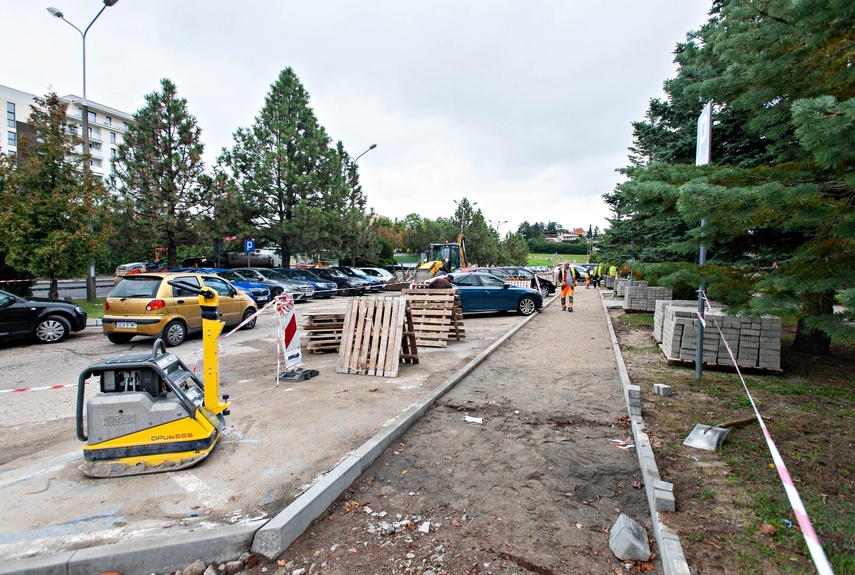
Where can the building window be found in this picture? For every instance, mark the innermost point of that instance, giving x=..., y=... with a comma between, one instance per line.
x=10, y=114
x=112, y=137
x=10, y=153
x=108, y=120
x=92, y=117
x=112, y=152
x=125, y=126
x=13, y=139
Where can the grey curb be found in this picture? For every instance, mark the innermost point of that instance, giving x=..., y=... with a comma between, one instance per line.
x=161, y=554
x=668, y=542
x=277, y=535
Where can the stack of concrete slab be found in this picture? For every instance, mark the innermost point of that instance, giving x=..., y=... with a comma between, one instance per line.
x=610, y=282
x=754, y=341
x=659, y=312
x=623, y=284
x=644, y=298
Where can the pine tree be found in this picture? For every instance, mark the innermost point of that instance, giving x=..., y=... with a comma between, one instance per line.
x=51, y=205
x=778, y=198
x=164, y=186
x=284, y=177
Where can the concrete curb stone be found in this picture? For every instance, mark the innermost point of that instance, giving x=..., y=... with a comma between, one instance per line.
x=670, y=549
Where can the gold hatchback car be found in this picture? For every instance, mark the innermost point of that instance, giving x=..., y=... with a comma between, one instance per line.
x=148, y=305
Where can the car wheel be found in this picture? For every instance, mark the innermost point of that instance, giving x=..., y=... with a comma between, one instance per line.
x=119, y=337
x=174, y=333
x=277, y=291
x=527, y=305
x=246, y=315
x=52, y=329
x=544, y=291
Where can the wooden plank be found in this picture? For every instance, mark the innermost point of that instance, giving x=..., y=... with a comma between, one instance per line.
x=385, y=341
x=346, y=348
x=375, y=338
x=396, y=329
x=366, y=314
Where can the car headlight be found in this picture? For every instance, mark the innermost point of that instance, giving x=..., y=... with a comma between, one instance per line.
x=78, y=309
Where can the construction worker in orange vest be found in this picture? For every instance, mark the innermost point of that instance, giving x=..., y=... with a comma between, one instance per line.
x=567, y=278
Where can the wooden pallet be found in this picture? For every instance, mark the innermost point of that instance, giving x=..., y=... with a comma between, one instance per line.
x=377, y=336
x=437, y=315
x=322, y=329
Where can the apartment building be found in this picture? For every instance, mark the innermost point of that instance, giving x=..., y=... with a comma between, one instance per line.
x=107, y=127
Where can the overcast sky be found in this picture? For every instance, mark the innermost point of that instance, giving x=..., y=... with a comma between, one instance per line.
x=522, y=106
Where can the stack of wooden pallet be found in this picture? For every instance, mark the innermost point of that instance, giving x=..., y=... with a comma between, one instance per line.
x=376, y=337
x=323, y=329
x=437, y=315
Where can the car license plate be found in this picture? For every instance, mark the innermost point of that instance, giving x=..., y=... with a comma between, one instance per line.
x=126, y=324
x=262, y=298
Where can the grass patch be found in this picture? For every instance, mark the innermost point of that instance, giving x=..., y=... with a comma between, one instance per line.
x=643, y=319
x=810, y=413
x=94, y=310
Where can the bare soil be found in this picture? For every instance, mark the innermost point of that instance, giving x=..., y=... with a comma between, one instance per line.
x=533, y=486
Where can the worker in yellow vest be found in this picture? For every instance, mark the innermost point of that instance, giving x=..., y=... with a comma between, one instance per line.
x=567, y=279
x=597, y=275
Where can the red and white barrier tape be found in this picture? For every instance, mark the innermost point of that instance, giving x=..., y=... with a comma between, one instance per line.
x=20, y=389
x=16, y=281
x=817, y=553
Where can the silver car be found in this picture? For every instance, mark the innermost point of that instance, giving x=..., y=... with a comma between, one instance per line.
x=279, y=284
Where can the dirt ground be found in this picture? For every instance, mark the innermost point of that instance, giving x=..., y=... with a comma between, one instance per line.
x=533, y=487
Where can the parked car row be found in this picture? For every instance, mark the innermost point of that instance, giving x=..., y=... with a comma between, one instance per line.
x=156, y=304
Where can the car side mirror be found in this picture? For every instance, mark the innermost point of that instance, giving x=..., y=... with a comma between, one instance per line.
x=506, y=286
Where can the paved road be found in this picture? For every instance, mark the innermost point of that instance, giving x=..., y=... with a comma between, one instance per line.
x=74, y=289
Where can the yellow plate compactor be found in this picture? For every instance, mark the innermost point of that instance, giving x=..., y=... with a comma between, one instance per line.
x=154, y=414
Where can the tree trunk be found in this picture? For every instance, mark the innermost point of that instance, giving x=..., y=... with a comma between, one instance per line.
x=810, y=340
x=53, y=291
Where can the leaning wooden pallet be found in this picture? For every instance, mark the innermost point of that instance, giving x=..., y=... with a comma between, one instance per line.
x=376, y=337
x=432, y=315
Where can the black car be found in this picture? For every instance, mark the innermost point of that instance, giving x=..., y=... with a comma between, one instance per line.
x=374, y=284
x=346, y=285
x=46, y=320
x=545, y=287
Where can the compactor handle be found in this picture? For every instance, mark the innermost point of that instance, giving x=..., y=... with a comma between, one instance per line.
x=207, y=293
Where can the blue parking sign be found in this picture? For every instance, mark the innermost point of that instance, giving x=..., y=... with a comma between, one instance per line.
x=249, y=246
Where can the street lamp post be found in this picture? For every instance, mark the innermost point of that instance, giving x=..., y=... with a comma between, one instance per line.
x=371, y=147
x=463, y=212
x=91, y=294
x=498, y=225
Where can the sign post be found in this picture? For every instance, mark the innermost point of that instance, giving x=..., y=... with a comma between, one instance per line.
x=702, y=158
x=248, y=247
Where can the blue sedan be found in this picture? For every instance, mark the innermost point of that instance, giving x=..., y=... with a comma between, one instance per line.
x=259, y=293
x=481, y=291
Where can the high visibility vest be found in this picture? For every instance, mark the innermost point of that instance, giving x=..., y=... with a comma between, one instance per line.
x=563, y=273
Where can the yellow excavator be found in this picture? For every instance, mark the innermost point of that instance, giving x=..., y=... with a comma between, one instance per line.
x=445, y=257
x=153, y=413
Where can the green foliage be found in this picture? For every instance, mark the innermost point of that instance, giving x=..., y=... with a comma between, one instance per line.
x=53, y=211
x=164, y=187
x=515, y=250
x=577, y=247
x=283, y=184
x=777, y=202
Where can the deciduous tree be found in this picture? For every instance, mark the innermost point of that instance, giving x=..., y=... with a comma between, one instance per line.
x=51, y=205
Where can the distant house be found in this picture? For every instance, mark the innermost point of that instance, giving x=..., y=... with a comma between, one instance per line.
x=564, y=235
